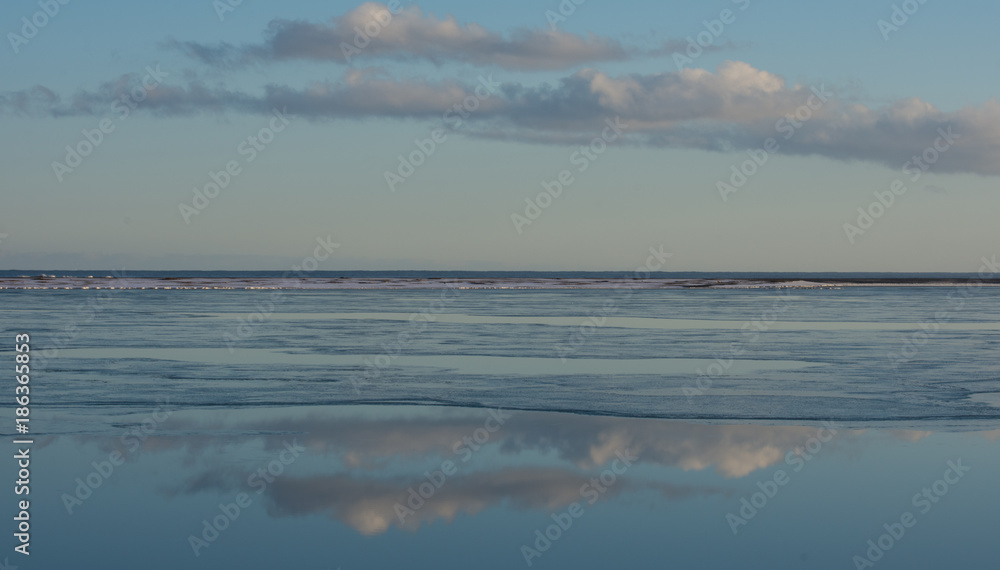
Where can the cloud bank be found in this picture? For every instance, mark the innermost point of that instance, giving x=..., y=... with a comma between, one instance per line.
x=374, y=30
x=735, y=108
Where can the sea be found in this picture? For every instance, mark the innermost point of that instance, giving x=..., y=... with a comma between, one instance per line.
x=502, y=419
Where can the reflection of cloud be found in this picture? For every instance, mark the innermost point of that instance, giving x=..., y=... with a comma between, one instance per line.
x=909, y=434
x=733, y=451
x=370, y=505
x=585, y=441
x=365, y=498
x=991, y=435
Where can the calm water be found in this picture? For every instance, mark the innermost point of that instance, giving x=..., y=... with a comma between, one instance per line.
x=660, y=428
x=344, y=499
x=866, y=355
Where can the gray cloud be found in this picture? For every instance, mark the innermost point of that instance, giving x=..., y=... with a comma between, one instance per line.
x=735, y=108
x=127, y=92
x=372, y=31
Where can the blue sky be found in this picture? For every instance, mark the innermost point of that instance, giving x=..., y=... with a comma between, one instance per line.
x=211, y=83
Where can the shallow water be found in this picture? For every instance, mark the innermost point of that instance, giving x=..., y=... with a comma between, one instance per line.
x=865, y=355
x=365, y=487
x=447, y=428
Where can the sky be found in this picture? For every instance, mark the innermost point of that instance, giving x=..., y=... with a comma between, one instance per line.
x=737, y=135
